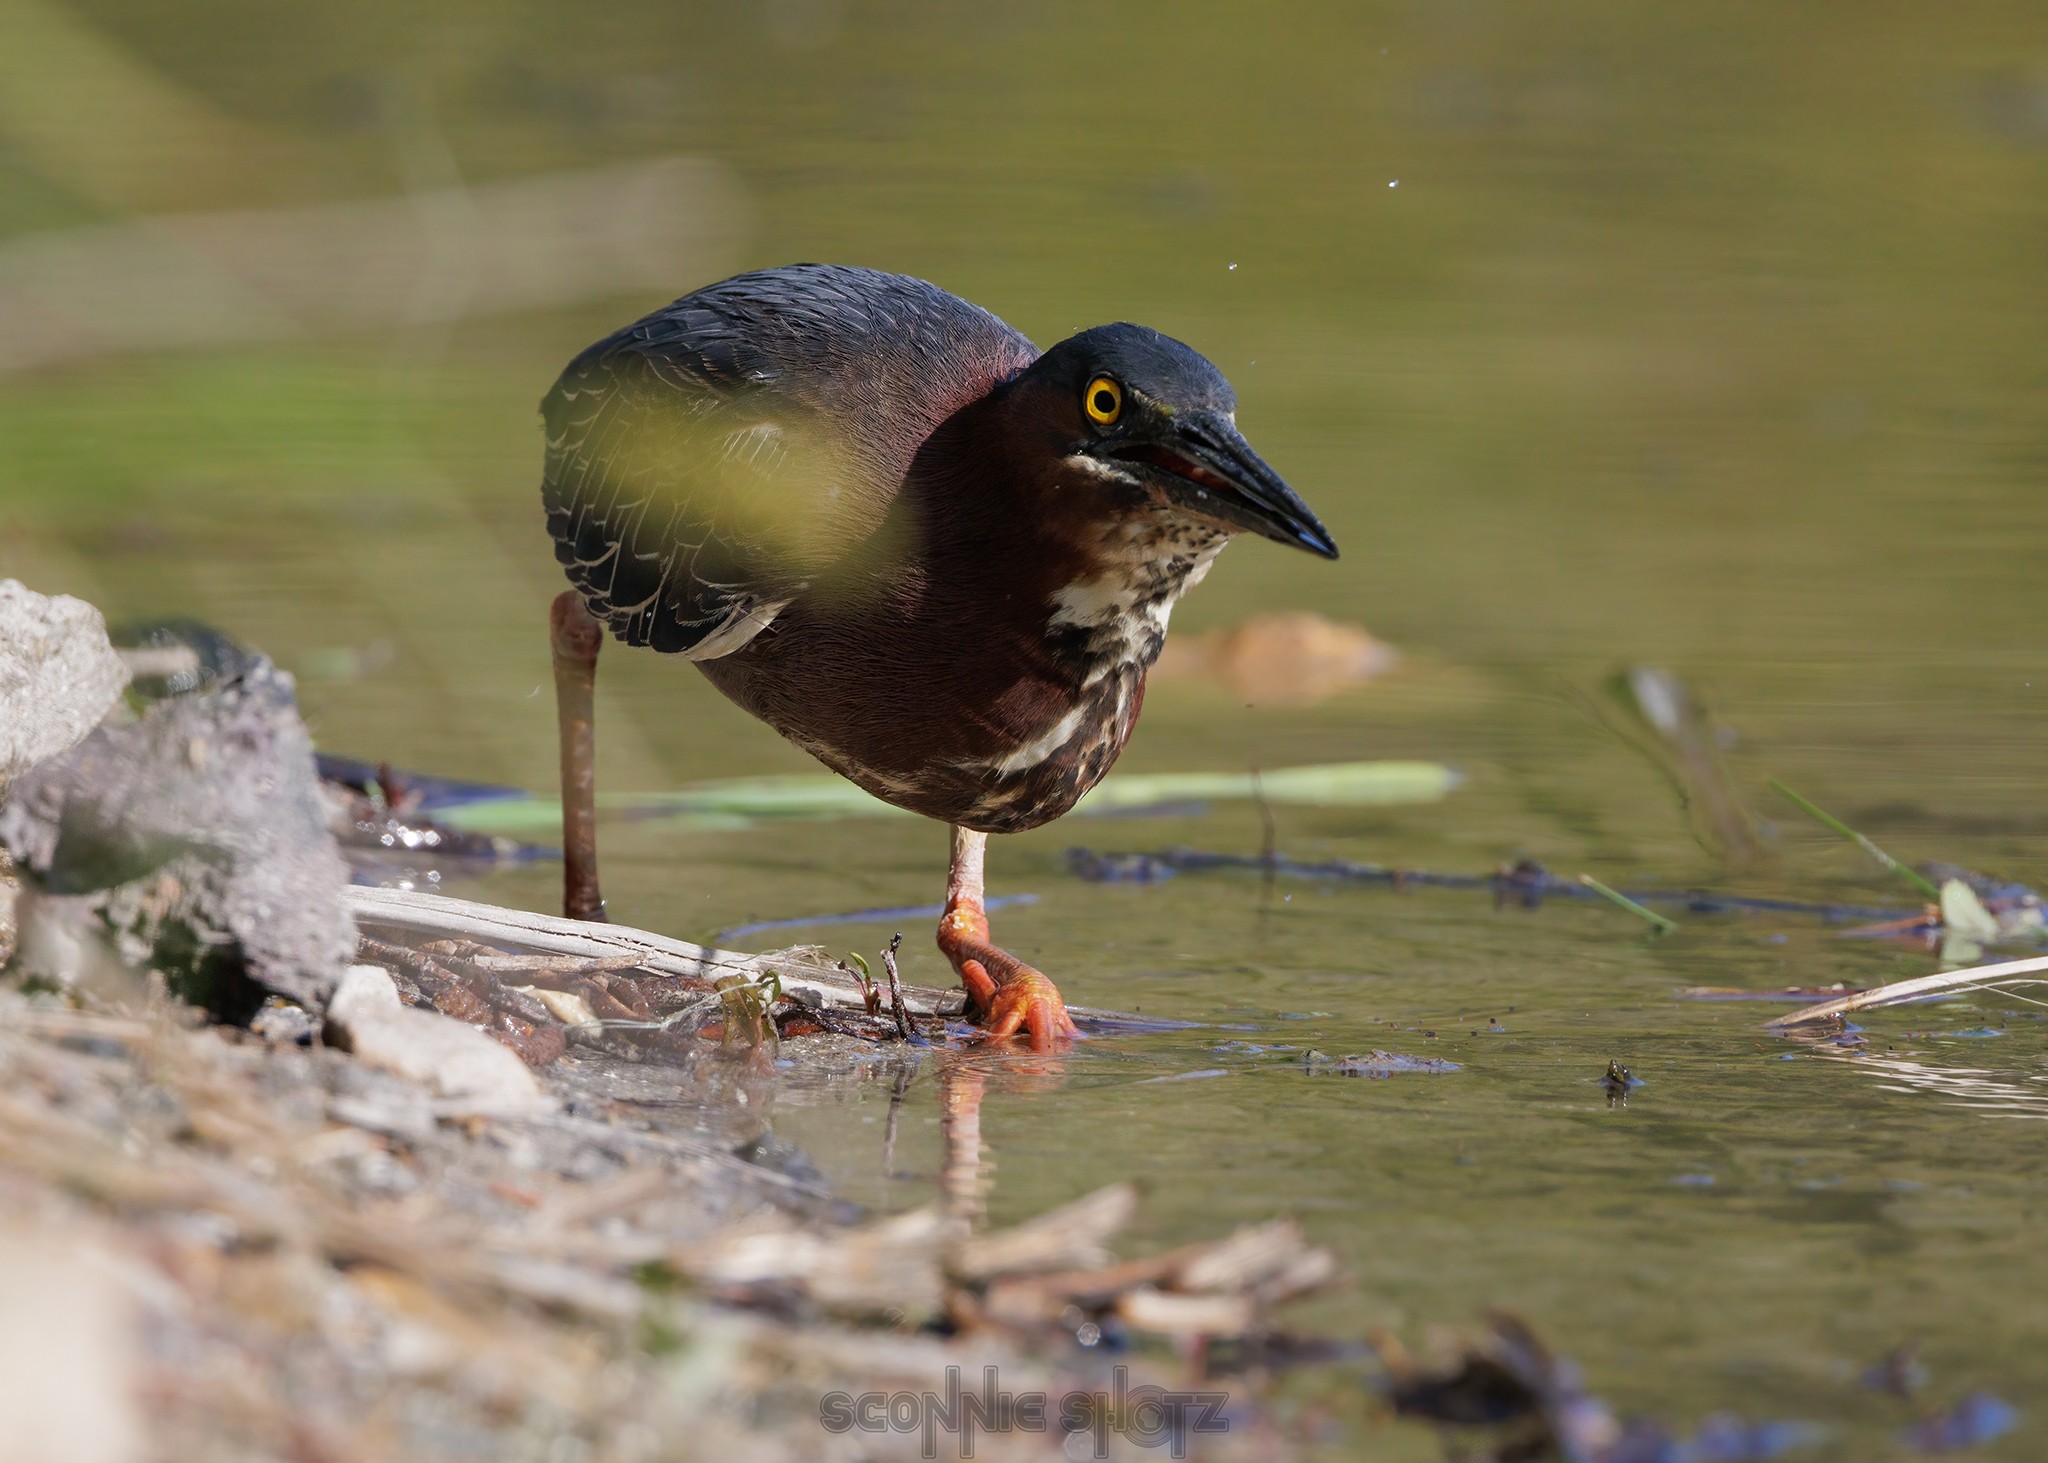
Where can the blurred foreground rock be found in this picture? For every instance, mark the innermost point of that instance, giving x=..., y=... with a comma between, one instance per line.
x=68, y=1352
x=457, y=1061
x=58, y=675
x=192, y=841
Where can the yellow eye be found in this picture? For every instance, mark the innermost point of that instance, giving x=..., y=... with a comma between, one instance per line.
x=1104, y=400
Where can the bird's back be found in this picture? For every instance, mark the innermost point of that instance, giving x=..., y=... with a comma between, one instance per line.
x=710, y=461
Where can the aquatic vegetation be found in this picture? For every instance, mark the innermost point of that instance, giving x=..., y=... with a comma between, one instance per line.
x=744, y=801
x=2006, y=975
x=1833, y=824
x=1689, y=747
x=1659, y=925
x=1376, y=1065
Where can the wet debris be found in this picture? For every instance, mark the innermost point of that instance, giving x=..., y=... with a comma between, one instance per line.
x=1900, y=1374
x=2015, y=909
x=1374, y=1065
x=1052, y=1277
x=1975, y=1420
x=385, y=822
x=1119, y=868
x=1521, y=883
x=474, y=1074
x=2002, y=976
x=390, y=843
x=899, y=1007
x=1976, y=911
x=531, y=1006
x=1533, y=1406
x=407, y=791
x=1659, y=925
x=176, y=657
x=1973, y=911
x=1801, y=993
x=625, y=1006
x=1965, y=911
x=648, y=996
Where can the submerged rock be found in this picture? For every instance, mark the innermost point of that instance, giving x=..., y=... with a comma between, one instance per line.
x=58, y=675
x=195, y=841
x=1375, y=1064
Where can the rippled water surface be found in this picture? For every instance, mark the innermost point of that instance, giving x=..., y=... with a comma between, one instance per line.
x=1598, y=336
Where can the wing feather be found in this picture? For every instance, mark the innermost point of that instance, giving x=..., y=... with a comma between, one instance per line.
x=707, y=462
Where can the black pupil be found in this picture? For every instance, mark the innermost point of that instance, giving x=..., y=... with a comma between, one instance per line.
x=1105, y=402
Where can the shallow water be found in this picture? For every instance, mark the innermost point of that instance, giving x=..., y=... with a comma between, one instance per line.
x=1709, y=340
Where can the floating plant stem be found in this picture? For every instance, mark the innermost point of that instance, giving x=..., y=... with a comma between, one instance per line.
x=1999, y=977
x=1835, y=825
x=1658, y=923
x=749, y=801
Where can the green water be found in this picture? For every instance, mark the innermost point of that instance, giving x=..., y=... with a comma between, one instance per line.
x=1707, y=338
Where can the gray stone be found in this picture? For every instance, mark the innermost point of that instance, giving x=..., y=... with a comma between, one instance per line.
x=58, y=675
x=199, y=838
x=459, y=1062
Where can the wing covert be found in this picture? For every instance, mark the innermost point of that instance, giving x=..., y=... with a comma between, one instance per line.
x=708, y=462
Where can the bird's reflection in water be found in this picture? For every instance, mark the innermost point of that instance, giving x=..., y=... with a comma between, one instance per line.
x=966, y=1076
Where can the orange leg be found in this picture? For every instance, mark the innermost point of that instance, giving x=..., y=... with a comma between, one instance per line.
x=576, y=636
x=1003, y=993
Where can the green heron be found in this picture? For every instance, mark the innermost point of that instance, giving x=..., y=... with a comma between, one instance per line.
x=885, y=524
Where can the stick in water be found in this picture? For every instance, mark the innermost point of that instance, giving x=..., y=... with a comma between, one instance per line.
x=2033, y=971
x=896, y=987
x=1658, y=922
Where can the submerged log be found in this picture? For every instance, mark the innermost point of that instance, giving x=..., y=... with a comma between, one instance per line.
x=408, y=917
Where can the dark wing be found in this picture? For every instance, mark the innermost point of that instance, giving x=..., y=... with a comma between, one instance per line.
x=707, y=462
x=658, y=441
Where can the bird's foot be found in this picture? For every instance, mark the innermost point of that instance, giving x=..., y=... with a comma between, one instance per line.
x=1003, y=993
x=1026, y=1002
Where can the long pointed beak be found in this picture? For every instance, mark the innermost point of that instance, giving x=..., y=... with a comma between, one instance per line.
x=1210, y=469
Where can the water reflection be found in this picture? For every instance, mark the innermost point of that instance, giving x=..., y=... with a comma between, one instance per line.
x=966, y=1076
x=1977, y=1088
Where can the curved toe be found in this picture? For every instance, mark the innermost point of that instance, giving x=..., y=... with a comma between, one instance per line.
x=1014, y=998
x=1029, y=1003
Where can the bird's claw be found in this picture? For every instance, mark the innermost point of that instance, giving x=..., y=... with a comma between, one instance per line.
x=1027, y=1001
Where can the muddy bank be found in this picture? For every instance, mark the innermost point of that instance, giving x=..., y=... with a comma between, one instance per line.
x=321, y=1172
x=279, y=1251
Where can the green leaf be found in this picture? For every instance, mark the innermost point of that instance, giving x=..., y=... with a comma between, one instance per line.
x=743, y=802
